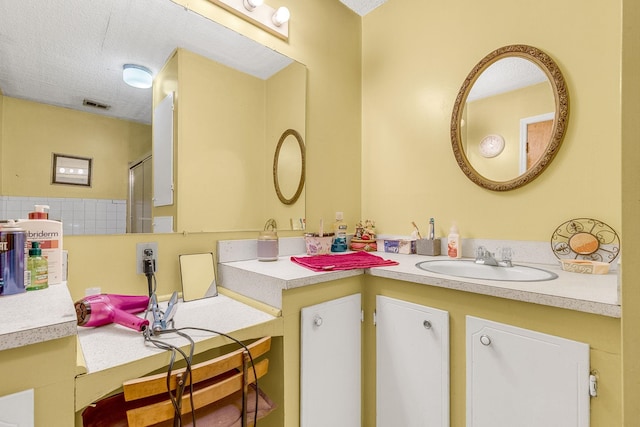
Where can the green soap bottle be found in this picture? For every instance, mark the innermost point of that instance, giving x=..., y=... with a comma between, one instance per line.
x=38, y=267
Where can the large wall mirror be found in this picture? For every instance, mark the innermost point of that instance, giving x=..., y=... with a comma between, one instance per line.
x=509, y=118
x=43, y=112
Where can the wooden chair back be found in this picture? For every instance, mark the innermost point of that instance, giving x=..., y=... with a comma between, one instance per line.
x=213, y=380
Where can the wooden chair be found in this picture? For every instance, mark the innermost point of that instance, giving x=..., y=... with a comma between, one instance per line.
x=221, y=388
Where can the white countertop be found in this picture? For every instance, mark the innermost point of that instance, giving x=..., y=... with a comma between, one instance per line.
x=591, y=293
x=36, y=316
x=114, y=345
x=265, y=281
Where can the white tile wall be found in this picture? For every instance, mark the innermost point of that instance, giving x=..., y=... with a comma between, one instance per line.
x=78, y=216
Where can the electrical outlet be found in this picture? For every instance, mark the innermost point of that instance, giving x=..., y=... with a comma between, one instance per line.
x=145, y=251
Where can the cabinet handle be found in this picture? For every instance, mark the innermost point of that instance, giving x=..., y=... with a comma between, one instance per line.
x=426, y=324
x=485, y=339
x=317, y=321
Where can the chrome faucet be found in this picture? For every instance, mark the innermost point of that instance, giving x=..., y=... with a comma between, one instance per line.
x=483, y=256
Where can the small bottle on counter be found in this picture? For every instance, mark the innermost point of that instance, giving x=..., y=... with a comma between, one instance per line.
x=38, y=268
x=339, y=243
x=454, y=245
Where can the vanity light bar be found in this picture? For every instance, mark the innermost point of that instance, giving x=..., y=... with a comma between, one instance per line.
x=260, y=14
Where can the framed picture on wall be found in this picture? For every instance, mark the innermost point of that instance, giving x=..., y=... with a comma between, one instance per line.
x=71, y=170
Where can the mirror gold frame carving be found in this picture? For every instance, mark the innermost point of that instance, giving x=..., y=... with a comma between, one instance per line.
x=294, y=198
x=561, y=98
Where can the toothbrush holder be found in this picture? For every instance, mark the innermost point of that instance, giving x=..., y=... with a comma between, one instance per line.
x=428, y=247
x=318, y=245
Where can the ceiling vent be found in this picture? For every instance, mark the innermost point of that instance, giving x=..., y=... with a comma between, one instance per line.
x=95, y=104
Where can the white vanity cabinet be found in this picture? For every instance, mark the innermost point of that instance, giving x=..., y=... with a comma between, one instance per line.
x=17, y=409
x=518, y=377
x=412, y=364
x=330, y=363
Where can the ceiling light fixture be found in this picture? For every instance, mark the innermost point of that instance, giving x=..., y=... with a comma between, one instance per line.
x=262, y=15
x=137, y=76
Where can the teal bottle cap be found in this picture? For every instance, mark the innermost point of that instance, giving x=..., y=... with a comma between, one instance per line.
x=35, y=249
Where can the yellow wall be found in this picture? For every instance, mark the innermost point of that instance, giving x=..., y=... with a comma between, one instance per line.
x=415, y=59
x=286, y=92
x=86, y=254
x=31, y=132
x=220, y=149
x=630, y=125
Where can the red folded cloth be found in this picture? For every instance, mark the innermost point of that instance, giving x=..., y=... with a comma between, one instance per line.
x=348, y=261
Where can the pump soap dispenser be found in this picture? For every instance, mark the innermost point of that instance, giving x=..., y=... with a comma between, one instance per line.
x=38, y=268
x=268, y=242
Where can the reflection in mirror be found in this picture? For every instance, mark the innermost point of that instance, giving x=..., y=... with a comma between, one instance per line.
x=226, y=142
x=198, y=275
x=289, y=167
x=71, y=170
x=509, y=117
x=508, y=91
x=117, y=136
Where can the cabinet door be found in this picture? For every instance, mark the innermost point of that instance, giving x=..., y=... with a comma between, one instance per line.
x=330, y=363
x=163, y=152
x=412, y=364
x=17, y=409
x=518, y=377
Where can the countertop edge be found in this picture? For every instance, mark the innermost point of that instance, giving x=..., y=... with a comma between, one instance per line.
x=593, y=307
x=37, y=316
x=38, y=335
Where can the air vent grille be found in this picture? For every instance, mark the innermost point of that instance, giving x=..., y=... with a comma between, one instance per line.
x=95, y=104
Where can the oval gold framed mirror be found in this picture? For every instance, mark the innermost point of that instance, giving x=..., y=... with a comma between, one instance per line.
x=289, y=167
x=509, y=118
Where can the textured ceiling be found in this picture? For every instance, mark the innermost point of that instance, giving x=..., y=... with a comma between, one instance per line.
x=506, y=75
x=61, y=52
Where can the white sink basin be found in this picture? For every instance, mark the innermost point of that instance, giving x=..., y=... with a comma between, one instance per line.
x=471, y=270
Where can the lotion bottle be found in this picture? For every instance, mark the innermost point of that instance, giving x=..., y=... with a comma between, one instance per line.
x=454, y=244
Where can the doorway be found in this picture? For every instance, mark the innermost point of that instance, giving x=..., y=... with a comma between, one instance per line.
x=140, y=194
x=535, y=134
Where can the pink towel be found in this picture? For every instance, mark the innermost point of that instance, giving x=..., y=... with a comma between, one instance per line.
x=348, y=261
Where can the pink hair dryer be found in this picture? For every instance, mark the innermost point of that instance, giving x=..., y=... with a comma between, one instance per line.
x=102, y=309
